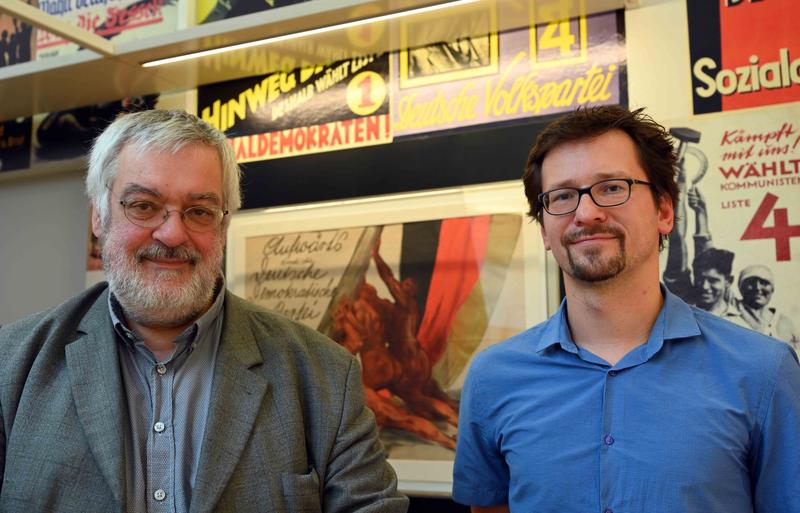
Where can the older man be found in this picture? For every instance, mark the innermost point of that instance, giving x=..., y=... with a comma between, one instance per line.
x=160, y=391
x=627, y=399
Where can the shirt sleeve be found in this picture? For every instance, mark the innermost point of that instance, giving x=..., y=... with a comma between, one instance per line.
x=776, y=458
x=480, y=474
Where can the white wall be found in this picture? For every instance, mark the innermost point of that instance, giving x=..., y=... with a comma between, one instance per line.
x=43, y=241
x=658, y=59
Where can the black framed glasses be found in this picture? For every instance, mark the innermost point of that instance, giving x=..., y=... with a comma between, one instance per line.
x=150, y=214
x=605, y=193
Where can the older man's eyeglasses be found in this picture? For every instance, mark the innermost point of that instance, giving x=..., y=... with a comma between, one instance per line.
x=149, y=214
x=605, y=193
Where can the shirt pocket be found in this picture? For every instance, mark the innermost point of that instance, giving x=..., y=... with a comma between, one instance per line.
x=301, y=491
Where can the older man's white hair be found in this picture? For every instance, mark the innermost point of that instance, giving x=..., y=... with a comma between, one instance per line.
x=158, y=130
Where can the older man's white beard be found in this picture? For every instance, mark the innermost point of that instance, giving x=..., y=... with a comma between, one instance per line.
x=157, y=301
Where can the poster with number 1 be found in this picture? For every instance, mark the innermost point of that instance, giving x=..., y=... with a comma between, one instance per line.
x=737, y=241
x=315, y=109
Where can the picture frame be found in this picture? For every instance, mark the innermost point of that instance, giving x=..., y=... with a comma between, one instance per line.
x=453, y=56
x=318, y=249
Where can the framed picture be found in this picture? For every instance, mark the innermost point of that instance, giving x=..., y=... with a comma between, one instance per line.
x=413, y=285
x=453, y=56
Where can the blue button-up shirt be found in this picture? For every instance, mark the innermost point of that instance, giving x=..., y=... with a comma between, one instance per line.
x=702, y=418
x=167, y=410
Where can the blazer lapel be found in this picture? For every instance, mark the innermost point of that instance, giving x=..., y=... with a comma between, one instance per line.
x=236, y=398
x=96, y=382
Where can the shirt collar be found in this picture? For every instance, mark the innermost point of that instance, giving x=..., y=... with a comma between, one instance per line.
x=193, y=332
x=675, y=321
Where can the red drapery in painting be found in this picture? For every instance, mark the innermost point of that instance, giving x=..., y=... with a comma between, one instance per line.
x=459, y=258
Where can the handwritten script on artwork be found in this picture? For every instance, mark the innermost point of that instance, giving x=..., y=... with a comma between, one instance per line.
x=296, y=274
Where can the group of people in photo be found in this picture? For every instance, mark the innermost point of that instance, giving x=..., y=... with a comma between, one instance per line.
x=711, y=284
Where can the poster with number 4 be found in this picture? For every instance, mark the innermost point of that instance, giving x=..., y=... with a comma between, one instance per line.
x=736, y=246
x=555, y=64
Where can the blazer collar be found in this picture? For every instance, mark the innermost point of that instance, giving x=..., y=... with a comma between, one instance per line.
x=237, y=397
x=96, y=384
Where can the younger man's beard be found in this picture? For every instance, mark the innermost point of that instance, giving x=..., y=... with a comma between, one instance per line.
x=588, y=266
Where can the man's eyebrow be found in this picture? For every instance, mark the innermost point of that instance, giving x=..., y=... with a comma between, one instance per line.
x=205, y=196
x=135, y=188
x=599, y=177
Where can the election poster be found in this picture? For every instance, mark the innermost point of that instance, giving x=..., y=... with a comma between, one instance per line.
x=744, y=53
x=408, y=299
x=69, y=134
x=118, y=20
x=548, y=68
x=412, y=285
x=315, y=109
x=736, y=244
x=16, y=46
x=16, y=39
x=215, y=10
x=15, y=144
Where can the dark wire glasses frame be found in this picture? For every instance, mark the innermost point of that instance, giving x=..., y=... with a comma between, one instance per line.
x=611, y=192
x=197, y=218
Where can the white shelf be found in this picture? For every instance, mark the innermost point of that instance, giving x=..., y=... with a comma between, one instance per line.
x=86, y=78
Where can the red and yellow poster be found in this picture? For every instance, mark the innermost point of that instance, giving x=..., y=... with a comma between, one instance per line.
x=307, y=110
x=744, y=53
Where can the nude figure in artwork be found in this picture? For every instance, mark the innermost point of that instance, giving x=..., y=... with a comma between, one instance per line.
x=396, y=369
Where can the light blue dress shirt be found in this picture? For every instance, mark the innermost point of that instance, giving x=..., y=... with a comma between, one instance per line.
x=703, y=418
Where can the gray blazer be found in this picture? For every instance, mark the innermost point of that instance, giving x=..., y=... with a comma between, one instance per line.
x=287, y=428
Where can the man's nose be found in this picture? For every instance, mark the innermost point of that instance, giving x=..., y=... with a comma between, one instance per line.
x=588, y=211
x=172, y=232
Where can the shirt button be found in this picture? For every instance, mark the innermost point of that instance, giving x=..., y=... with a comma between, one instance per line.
x=608, y=439
x=161, y=369
x=159, y=495
x=159, y=427
x=612, y=374
x=608, y=511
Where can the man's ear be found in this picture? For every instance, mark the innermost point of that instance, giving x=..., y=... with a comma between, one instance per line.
x=666, y=214
x=97, y=224
x=543, y=233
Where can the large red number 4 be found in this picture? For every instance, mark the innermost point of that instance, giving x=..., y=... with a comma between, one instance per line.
x=780, y=230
